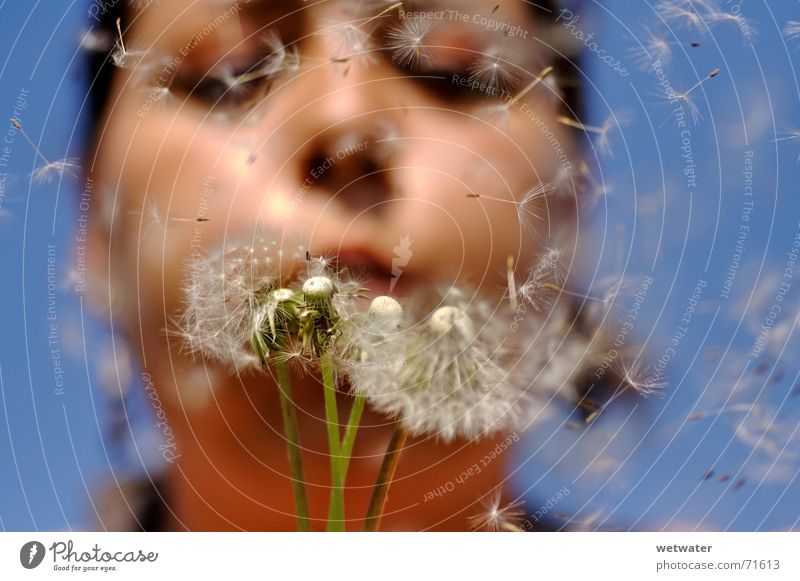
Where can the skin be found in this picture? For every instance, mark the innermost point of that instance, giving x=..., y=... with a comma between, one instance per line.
x=231, y=472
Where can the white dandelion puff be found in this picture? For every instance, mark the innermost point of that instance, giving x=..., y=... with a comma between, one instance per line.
x=281, y=59
x=450, y=379
x=223, y=293
x=371, y=343
x=348, y=289
x=318, y=287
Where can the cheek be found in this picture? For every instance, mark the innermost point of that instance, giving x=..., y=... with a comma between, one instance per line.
x=176, y=177
x=455, y=158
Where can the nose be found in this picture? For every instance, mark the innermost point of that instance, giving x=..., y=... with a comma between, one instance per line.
x=344, y=164
x=342, y=115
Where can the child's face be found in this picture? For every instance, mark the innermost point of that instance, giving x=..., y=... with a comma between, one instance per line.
x=419, y=175
x=405, y=155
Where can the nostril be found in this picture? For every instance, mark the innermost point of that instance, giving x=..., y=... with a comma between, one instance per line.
x=352, y=175
x=315, y=167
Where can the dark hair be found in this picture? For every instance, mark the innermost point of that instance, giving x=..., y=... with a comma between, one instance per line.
x=102, y=69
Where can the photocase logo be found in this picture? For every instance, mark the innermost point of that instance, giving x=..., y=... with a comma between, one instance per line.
x=31, y=554
x=402, y=256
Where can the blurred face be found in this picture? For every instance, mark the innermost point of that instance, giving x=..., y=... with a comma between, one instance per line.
x=380, y=138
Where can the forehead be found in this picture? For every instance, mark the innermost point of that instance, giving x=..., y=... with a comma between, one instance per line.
x=169, y=25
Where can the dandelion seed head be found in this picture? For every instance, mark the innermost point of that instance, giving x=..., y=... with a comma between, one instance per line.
x=318, y=287
x=282, y=295
x=448, y=376
x=445, y=319
x=384, y=306
x=223, y=295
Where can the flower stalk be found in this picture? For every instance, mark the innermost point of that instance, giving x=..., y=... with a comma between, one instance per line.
x=293, y=444
x=380, y=492
x=336, y=504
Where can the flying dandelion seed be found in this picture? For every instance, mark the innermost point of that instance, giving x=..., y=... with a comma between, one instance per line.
x=121, y=56
x=792, y=30
x=633, y=376
x=602, y=142
x=50, y=170
x=494, y=70
x=350, y=42
x=496, y=517
x=728, y=409
x=406, y=42
x=156, y=220
x=526, y=206
x=96, y=41
x=744, y=25
x=636, y=376
x=351, y=39
x=574, y=181
x=651, y=48
x=280, y=60
x=543, y=284
x=499, y=114
x=790, y=136
x=687, y=13
x=685, y=99
x=606, y=291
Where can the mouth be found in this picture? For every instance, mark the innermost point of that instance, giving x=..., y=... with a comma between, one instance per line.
x=377, y=275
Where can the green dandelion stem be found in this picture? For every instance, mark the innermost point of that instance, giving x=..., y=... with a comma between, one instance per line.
x=351, y=431
x=336, y=505
x=293, y=445
x=380, y=492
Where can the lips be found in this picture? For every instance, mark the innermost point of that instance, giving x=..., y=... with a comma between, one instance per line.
x=376, y=273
